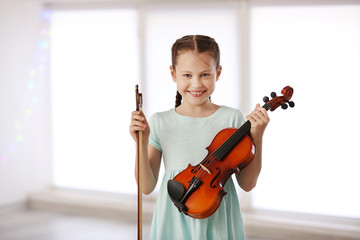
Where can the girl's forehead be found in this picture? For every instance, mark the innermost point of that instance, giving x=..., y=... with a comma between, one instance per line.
x=189, y=57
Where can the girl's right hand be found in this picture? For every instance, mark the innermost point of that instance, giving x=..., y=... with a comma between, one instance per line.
x=139, y=123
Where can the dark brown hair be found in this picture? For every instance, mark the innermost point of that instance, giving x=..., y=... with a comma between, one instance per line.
x=198, y=43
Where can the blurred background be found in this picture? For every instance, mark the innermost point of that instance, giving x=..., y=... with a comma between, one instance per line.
x=67, y=75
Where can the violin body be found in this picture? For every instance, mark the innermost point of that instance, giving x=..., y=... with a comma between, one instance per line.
x=198, y=190
x=209, y=195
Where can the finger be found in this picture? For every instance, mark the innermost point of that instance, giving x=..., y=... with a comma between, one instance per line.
x=263, y=110
x=136, y=113
x=137, y=123
x=257, y=109
x=251, y=119
x=137, y=117
x=134, y=129
x=139, y=114
x=138, y=129
x=261, y=113
x=255, y=115
x=144, y=118
x=264, y=114
x=257, y=118
x=257, y=112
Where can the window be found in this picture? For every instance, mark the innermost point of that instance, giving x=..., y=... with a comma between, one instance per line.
x=311, y=151
x=94, y=68
x=95, y=65
x=310, y=157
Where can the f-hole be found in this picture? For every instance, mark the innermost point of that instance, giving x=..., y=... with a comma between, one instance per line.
x=217, y=175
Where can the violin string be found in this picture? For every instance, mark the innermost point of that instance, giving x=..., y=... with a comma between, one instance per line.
x=225, y=146
x=211, y=163
x=208, y=162
x=239, y=135
x=201, y=171
x=229, y=144
x=221, y=151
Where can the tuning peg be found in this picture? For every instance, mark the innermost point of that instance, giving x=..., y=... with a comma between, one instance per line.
x=284, y=106
x=266, y=99
x=273, y=94
x=291, y=104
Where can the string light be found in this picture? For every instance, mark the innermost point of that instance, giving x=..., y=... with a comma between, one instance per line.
x=36, y=73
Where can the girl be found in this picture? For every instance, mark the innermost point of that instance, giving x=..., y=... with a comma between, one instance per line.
x=180, y=136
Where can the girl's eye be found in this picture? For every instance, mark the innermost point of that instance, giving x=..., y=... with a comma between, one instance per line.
x=187, y=75
x=205, y=75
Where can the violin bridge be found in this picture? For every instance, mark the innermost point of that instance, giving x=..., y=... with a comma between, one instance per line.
x=207, y=170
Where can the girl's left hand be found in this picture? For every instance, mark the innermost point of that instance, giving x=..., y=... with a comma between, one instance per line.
x=259, y=119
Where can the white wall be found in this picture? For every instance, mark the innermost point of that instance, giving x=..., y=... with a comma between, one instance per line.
x=25, y=154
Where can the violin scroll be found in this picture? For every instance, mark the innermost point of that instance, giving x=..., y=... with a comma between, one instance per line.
x=276, y=101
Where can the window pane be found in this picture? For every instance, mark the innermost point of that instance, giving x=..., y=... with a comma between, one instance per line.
x=94, y=68
x=311, y=156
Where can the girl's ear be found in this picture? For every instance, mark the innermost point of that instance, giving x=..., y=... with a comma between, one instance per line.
x=218, y=72
x=172, y=72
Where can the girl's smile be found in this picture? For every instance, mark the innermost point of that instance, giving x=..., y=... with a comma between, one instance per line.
x=196, y=93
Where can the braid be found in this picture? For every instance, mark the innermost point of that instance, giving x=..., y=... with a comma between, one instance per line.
x=178, y=99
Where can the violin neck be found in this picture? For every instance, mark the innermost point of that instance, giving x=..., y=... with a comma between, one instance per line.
x=229, y=144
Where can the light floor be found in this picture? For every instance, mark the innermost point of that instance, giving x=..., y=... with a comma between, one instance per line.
x=42, y=225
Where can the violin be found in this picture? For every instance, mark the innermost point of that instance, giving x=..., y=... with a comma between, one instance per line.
x=198, y=190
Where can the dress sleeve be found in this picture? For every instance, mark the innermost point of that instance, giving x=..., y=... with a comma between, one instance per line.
x=154, y=132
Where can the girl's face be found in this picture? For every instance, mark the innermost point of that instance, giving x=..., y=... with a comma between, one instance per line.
x=195, y=75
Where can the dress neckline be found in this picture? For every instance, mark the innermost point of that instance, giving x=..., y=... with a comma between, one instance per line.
x=199, y=118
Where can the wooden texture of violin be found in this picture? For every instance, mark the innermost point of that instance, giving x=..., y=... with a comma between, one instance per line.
x=206, y=200
x=198, y=190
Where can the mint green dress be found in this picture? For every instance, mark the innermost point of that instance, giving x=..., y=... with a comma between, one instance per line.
x=183, y=140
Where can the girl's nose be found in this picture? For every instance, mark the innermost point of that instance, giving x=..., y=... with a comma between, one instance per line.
x=196, y=82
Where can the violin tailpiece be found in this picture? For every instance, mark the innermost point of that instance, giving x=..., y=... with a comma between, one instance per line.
x=178, y=195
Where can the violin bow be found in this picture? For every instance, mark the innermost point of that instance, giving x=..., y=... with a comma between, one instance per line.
x=139, y=163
